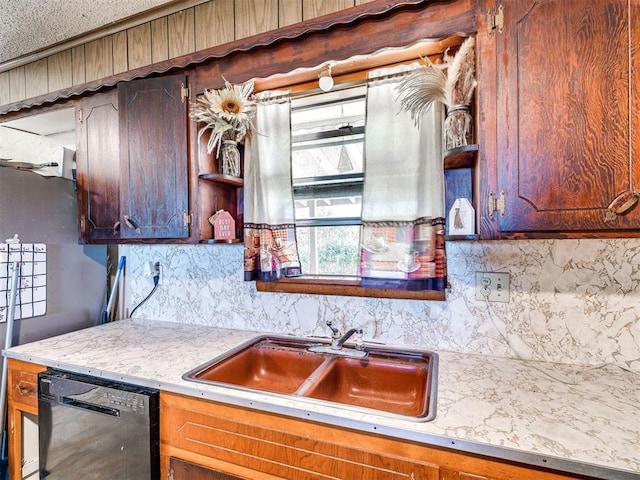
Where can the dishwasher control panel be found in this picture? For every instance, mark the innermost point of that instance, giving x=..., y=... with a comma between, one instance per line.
x=132, y=402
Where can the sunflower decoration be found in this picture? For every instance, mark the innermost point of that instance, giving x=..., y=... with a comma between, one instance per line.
x=228, y=112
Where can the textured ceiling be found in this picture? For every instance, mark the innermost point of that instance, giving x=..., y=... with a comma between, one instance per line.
x=30, y=25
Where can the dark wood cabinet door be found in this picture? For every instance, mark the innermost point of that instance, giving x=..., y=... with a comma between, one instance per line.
x=154, y=157
x=568, y=131
x=98, y=160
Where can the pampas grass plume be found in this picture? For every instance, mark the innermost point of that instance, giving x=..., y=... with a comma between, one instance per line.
x=429, y=83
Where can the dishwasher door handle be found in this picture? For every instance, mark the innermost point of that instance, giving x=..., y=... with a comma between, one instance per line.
x=90, y=406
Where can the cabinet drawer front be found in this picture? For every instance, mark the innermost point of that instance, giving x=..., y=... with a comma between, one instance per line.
x=252, y=441
x=23, y=382
x=25, y=387
x=181, y=470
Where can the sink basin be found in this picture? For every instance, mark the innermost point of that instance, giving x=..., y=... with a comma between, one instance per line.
x=382, y=384
x=392, y=382
x=263, y=365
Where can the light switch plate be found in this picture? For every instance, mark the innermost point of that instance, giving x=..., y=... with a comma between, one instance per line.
x=492, y=286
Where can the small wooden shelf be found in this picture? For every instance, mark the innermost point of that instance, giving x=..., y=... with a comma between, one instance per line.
x=461, y=237
x=459, y=173
x=461, y=157
x=219, y=178
x=211, y=241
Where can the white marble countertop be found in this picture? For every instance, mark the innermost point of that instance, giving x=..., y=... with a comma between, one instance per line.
x=504, y=408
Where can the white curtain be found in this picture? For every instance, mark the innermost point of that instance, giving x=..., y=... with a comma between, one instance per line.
x=403, y=206
x=269, y=228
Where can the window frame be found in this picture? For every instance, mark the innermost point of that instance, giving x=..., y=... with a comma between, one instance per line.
x=342, y=285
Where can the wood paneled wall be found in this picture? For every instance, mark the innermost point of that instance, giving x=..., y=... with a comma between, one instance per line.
x=196, y=28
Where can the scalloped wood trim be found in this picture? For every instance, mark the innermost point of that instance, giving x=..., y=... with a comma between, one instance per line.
x=339, y=22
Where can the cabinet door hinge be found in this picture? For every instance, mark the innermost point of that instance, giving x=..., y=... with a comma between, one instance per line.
x=495, y=20
x=184, y=91
x=79, y=115
x=187, y=219
x=170, y=474
x=496, y=203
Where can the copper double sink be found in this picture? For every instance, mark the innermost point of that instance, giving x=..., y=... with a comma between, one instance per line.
x=386, y=382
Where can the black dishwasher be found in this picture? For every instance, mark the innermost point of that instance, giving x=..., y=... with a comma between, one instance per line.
x=92, y=428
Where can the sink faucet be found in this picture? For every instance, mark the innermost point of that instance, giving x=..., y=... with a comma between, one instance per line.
x=337, y=341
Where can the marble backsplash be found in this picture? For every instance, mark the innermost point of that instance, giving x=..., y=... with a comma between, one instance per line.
x=572, y=301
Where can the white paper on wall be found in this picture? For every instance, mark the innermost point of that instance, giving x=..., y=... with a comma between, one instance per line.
x=31, y=294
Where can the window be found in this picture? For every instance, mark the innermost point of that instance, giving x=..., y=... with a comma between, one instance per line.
x=341, y=204
x=328, y=174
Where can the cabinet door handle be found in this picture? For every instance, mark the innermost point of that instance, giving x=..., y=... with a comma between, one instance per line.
x=622, y=204
x=27, y=390
x=132, y=224
x=116, y=227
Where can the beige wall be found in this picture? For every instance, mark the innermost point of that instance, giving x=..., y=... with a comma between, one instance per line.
x=196, y=28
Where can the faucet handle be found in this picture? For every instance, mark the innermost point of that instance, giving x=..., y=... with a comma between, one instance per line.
x=335, y=333
x=359, y=342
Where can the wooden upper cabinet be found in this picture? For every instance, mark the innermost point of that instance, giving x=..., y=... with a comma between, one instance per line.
x=133, y=163
x=98, y=166
x=154, y=157
x=567, y=145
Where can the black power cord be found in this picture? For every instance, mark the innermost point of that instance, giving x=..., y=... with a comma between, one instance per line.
x=156, y=281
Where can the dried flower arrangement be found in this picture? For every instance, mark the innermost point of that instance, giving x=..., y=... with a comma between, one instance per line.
x=227, y=112
x=451, y=84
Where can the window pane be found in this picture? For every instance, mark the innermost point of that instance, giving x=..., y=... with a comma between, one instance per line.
x=327, y=134
x=327, y=168
x=339, y=207
x=331, y=156
x=329, y=250
x=328, y=111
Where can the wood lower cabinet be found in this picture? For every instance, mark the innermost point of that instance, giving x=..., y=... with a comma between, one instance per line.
x=453, y=475
x=247, y=444
x=205, y=440
x=253, y=445
x=559, y=129
x=181, y=470
x=22, y=399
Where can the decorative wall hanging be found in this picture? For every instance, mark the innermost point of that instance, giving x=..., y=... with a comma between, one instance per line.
x=224, y=226
x=462, y=219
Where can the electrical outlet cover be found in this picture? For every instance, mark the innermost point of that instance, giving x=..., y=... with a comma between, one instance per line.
x=492, y=286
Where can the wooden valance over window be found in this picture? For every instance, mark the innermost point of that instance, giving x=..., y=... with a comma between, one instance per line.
x=360, y=30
